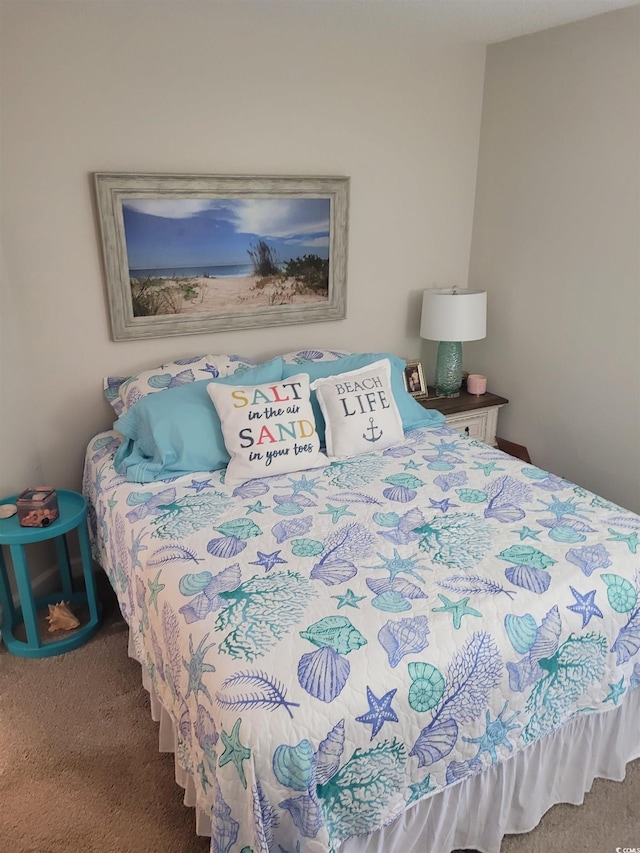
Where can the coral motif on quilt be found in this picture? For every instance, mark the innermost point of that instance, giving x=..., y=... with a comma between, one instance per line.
x=335, y=645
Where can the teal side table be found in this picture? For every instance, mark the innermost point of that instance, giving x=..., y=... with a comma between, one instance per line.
x=72, y=509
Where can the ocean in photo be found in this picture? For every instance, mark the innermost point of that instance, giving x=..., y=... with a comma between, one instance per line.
x=213, y=271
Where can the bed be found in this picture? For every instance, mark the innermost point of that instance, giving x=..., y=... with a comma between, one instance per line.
x=418, y=647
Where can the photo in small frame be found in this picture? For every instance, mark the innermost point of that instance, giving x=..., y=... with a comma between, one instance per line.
x=414, y=380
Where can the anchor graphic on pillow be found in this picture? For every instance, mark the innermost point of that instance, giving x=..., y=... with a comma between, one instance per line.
x=372, y=429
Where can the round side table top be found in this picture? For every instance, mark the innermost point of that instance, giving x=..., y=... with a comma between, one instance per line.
x=72, y=510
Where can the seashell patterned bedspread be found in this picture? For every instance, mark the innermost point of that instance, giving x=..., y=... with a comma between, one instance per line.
x=338, y=644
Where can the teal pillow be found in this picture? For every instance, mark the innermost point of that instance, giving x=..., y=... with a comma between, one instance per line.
x=178, y=432
x=412, y=413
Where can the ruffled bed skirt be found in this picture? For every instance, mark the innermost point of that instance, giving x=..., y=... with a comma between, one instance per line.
x=508, y=798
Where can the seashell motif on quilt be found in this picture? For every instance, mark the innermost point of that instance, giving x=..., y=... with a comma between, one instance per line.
x=291, y=527
x=306, y=814
x=386, y=519
x=427, y=686
x=306, y=547
x=337, y=632
x=288, y=508
x=521, y=630
x=329, y=754
x=193, y=583
x=391, y=601
x=293, y=765
x=333, y=572
x=401, y=494
x=405, y=588
x=251, y=489
x=323, y=673
x=535, y=580
x=621, y=593
x=226, y=547
x=405, y=637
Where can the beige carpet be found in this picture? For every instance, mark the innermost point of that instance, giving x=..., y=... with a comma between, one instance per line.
x=80, y=768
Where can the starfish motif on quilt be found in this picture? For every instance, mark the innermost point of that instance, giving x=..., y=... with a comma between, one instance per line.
x=199, y=485
x=155, y=587
x=411, y=465
x=442, y=505
x=336, y=512
x=527, y=533
x=616, y=691
x=258, y=507
x=234, y=751
x=348, y=599
x=380, y=711
x=304, y=485
x=630, y=539
x=267, y=561
x=487, y=468
x=458, y=609
x=197, y=668
x=585, y=605
x=419, y=789
x=397, y=564
x=444, y=446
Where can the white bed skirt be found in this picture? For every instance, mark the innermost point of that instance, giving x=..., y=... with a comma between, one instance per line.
x=508, y=798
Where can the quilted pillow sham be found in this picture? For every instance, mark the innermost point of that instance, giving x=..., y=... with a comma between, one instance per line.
x=307, y=356
x=179, y=432
x=359, y=410
x=268, y=429
x=123, y=391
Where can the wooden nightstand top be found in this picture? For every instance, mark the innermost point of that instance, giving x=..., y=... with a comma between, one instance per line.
x=464, y=403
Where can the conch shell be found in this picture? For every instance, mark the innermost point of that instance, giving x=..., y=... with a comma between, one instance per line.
x=60, y=618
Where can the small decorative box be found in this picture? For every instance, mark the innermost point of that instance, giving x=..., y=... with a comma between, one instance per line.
x=37, y=506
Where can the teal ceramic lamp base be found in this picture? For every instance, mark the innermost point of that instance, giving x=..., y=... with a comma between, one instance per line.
x=448, y=379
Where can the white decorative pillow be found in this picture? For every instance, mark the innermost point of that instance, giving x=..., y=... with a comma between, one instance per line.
x=268, y=429
x=359, y=409
x=123, y=391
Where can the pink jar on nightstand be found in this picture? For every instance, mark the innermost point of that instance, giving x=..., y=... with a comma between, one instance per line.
x=476, y=384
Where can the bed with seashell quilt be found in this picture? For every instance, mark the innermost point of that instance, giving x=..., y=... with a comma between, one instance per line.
x=395, y=648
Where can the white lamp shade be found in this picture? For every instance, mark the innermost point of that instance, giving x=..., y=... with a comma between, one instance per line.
x=450, y=315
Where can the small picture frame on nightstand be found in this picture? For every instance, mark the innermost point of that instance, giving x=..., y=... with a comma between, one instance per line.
x=414, y=380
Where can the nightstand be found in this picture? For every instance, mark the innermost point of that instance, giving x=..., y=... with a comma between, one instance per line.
x=73, y=516
x=475, y=416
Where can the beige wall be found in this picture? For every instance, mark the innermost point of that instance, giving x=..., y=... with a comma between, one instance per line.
x=556, y=243
x=238, y=88
x=258, y=88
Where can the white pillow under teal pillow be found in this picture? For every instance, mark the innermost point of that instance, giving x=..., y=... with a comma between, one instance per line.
x=312, y=356
x=412, y=413
x=123, y=391
x=359, y=410
x=179, y=432
x=268, y=429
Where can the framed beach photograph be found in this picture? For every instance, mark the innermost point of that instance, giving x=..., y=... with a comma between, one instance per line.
x=187, y=254
x=414, y=380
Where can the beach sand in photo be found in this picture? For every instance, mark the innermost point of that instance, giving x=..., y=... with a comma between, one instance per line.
x=229, y=295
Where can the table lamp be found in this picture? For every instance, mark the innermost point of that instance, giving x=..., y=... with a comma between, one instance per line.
x=452, y=316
